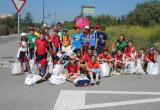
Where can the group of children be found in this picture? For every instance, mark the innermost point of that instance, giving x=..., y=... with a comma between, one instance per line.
x=84, y=51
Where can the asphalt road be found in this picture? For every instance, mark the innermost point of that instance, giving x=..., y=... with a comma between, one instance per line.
x=124, y=95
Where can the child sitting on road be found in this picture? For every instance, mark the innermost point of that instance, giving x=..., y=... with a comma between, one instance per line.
x=43, y=68
x=93, y=68
x=72, y=69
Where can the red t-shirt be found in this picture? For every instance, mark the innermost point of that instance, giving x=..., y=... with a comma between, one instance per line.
x=150, y=56
x=86, y=57
x=129, y=50
x=106, y=57
x=118, y=57
x=91, y=65
x=72, y=68
x=55, y=41
x=48, y=37
x=41, y=46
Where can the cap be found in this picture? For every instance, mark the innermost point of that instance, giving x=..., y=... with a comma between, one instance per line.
x=54, y=52
x=43, y=61
x=152, y=49
x=105, y=49
x=23, y=34
x=86, y=27
x=85, y=45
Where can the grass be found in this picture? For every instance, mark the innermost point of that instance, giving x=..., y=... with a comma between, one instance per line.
x=143, y=37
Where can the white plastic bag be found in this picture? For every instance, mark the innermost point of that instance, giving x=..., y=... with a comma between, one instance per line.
x=153, y=69
x=32, y=66
x=138, y=68
x=50, y=67
x=57, y=79
x=129, y=67
x=16, y=68
x=58, y=68
x=31, y=79
x=105, y=69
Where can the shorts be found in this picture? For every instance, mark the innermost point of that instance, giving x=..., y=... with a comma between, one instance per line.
x=40, y=57
x=23, y=57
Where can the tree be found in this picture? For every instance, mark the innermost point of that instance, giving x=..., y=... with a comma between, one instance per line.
x=145, y=14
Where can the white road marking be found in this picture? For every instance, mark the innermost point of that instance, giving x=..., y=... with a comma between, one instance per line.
x=75, y=99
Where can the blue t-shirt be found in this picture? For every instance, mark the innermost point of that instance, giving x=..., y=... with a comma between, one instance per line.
x=76, y=40
x=92, y=39
x=84, y=39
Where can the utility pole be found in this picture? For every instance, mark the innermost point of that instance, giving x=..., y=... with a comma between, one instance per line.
x=55, y=18
x=43, y=13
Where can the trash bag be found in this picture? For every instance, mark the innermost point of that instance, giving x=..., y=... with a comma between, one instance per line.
x=54, y=79
x=16, y=68
x=32, y=79
x=81, y=81
x=105, y=70
x=58, y=68
x=129, y=67
x=153, y=69
x=139, y=68
x=50, y=67
x=32, y=66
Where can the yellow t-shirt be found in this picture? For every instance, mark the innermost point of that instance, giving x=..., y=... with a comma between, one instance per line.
x=65, y=40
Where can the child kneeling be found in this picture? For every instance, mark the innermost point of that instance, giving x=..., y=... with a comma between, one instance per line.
x=72, y=69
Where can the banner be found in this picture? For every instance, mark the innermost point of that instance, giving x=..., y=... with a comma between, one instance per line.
x=82, y=22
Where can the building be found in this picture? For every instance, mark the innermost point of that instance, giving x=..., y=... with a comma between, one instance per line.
x=5, y=15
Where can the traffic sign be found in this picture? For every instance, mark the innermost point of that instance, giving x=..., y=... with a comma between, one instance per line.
x=19, y=4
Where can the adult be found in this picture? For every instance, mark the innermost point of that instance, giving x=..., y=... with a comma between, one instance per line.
x=31, y=38
x=120, y=44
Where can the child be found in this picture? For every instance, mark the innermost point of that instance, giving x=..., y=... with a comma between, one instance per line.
x=118, y=61
x=65, y=40
x=76, y=39
x=92, y=39
x=43, y=68
x=55, y=41
x=23, y=53
x=106, y=57
x=72, y=69
x=130, y=52
x=142, y=57
x=152, y=55
x=93, y=68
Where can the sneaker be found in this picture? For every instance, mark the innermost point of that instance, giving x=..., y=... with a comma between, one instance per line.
x=113, y=73
x=97, y=81
x=92, y=82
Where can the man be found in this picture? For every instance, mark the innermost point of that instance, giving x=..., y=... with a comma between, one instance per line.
x=31, y=38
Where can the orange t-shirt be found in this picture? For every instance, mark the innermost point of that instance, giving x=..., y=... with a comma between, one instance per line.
x=65, y=40
x=91, y=65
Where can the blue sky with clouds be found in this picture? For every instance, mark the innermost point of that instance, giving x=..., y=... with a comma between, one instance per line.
x=68, y=9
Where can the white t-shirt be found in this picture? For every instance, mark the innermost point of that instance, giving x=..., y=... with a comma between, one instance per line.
x=23, y=49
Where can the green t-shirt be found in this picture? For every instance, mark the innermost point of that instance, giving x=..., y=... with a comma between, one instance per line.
x=31, y=38
x=121, y=45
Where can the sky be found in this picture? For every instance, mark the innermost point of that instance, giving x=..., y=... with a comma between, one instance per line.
x=68, y=9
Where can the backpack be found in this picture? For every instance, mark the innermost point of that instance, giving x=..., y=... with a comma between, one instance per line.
x=81, y=81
